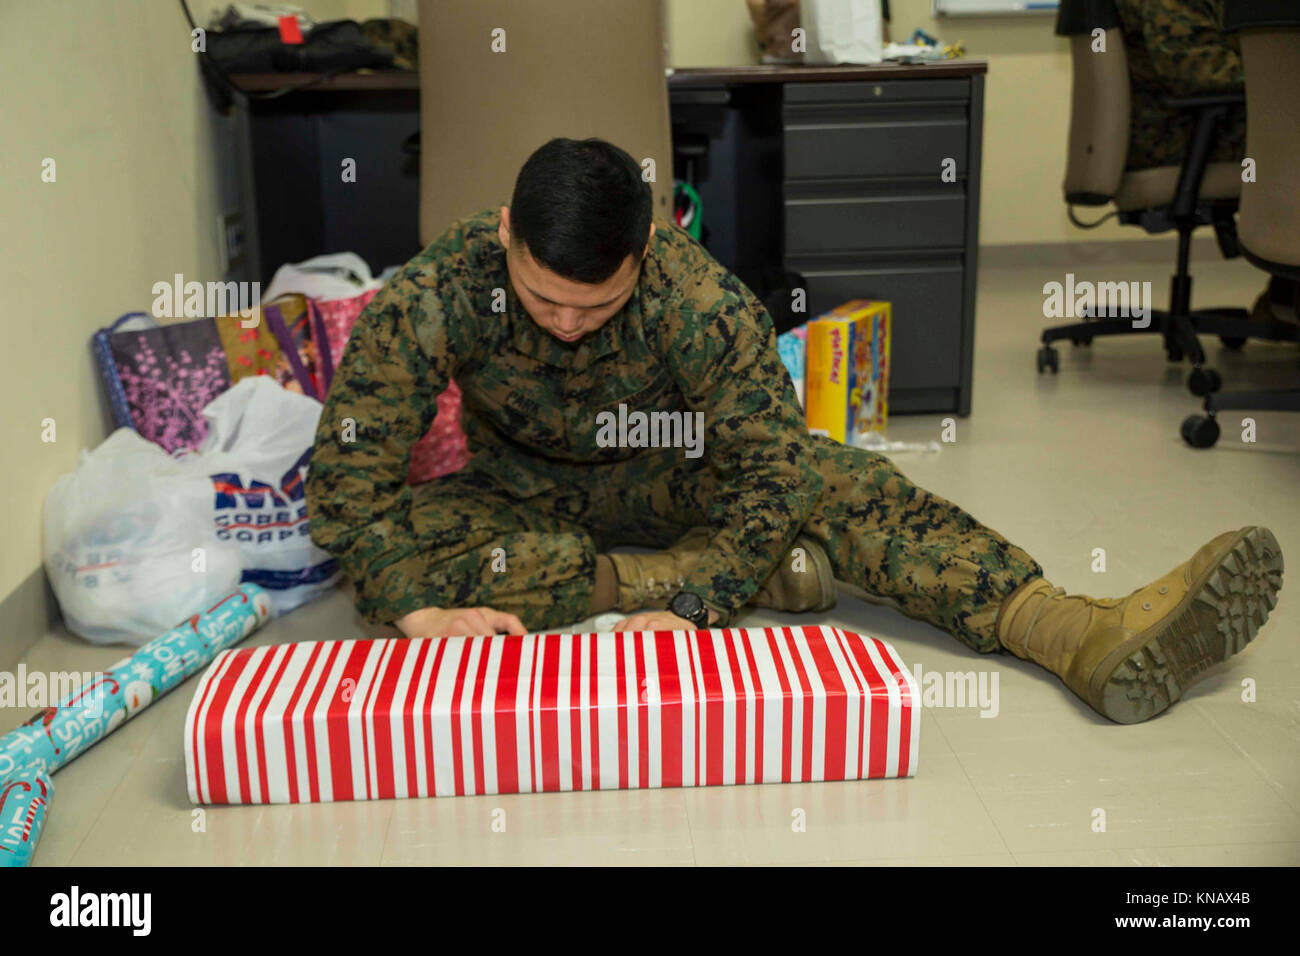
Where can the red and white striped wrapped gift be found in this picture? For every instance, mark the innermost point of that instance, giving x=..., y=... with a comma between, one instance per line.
x=370, y=719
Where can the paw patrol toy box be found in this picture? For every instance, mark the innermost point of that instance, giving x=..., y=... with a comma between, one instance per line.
x=847, y=370
x=791, y=346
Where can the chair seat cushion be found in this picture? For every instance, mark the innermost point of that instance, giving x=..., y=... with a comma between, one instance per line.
x=1149, y=188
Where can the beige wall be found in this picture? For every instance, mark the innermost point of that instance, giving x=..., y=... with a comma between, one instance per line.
x=109, y=90
x=709, y=33
x=1026, y=104
x=345, y=9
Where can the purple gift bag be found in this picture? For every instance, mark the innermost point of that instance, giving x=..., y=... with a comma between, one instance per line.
x=158, y=378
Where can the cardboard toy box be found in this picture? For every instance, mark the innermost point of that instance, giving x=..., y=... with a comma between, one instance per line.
x=847, y=370
x=792, y=346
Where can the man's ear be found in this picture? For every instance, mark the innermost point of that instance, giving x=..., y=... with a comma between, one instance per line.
x=646, y=250
x=503, y=230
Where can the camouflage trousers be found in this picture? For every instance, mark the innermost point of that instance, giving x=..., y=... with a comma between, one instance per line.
x=1159, y=136
x=530, y=547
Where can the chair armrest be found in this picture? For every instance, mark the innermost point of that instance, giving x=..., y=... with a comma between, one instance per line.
x=1211, y=110
x=1231, y=98
x=1260, y=14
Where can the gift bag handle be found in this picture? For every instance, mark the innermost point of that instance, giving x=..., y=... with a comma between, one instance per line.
x=126, y=317
x=324, y=356
x=289, y=348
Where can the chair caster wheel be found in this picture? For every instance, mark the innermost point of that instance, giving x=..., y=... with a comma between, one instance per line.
x=1048, y=357
x=1204, y=381
x=1200, y=431
x=1232, y=342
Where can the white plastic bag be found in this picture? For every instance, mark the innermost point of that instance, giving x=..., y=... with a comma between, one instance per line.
x=120, y=544
x=249, y=478
x=842, y=31
x=338, y=275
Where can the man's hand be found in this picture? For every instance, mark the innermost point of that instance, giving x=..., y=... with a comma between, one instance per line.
x=459, y=622
x=659, y=621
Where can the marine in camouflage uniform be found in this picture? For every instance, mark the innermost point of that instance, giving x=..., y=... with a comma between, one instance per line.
x=543, y=498
x=1178, y=48
x=521, y=537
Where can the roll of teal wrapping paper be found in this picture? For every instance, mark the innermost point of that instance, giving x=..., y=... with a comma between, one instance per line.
x=24, y=800
x=55, y=735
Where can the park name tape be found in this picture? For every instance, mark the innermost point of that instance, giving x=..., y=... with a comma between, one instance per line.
x=374, y=719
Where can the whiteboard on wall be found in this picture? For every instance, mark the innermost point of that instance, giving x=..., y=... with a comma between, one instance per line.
x=984, y=8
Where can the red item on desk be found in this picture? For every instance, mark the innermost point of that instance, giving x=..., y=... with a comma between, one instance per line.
x=289, y=31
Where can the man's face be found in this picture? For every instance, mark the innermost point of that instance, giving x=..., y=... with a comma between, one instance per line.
x=563, y=307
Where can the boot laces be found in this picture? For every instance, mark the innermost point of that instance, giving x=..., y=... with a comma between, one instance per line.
x=664, y=587
x=1033, y=618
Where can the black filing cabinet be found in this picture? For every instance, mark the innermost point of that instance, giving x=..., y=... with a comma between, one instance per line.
x=865, y=208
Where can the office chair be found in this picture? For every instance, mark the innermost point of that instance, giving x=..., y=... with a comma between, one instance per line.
x=574, y=68
x=1269, y=221
x=1199, y=193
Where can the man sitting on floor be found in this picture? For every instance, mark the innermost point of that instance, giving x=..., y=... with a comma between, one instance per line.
x=571, y=305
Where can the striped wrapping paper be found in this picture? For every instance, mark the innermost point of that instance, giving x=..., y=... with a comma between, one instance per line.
x=372, y=719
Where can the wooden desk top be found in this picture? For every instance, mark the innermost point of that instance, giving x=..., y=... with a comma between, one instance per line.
x=385, y=80
x=771, y=73
x=685, y=77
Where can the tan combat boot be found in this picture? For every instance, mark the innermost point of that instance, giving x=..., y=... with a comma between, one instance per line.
x=808, y=587
x=650, y=580
x=1130, y=658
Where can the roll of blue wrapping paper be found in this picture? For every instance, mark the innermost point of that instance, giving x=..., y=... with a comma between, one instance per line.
x=57, y=734
x=24, y=800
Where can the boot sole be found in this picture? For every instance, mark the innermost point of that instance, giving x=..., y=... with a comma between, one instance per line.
x=1222, y=613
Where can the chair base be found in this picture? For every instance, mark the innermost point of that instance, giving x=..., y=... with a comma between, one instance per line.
x=1227, y=323
x=1263, y=400
x=1232, y=325
x=1202, y=431
x=1180, y=324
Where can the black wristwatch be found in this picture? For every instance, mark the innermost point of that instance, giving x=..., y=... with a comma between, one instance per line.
x=690, y=607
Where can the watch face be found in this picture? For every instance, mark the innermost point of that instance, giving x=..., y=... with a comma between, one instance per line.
x=688, y=606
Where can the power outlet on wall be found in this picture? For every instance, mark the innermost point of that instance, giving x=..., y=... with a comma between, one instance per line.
x=230, y=240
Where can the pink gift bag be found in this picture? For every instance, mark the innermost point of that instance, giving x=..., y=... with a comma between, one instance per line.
x=440, y=452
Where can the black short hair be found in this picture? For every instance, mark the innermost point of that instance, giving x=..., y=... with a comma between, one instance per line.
x=580, y=208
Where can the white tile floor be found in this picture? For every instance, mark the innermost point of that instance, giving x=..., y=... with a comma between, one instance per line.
x=1087, y=459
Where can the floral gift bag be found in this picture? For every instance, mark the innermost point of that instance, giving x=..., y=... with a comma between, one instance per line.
x=159, y=377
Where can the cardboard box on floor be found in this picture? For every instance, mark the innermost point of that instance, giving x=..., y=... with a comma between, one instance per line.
x=847, y=370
